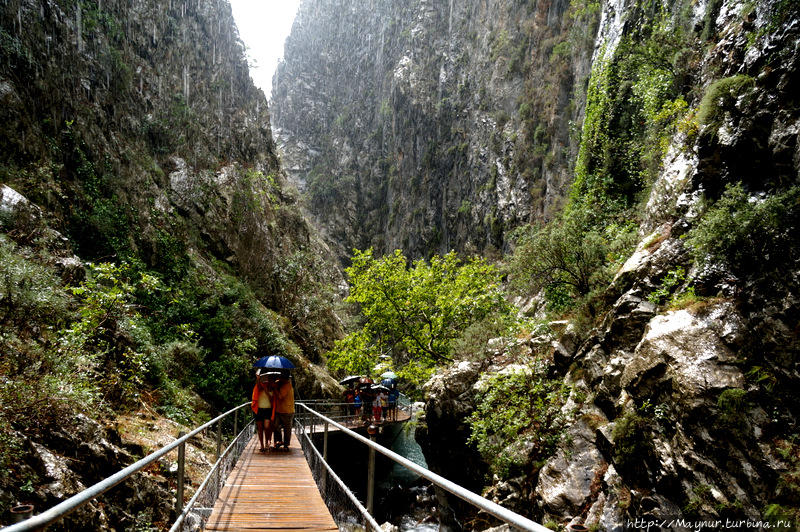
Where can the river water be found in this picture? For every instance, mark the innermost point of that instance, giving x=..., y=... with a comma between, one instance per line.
x=409, y=499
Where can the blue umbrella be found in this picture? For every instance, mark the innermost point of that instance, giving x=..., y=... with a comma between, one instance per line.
x=273, y=361
x=388, y=382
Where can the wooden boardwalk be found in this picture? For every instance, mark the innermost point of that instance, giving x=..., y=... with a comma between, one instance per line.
x=273, y=491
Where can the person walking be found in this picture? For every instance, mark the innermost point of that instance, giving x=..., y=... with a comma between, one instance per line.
x=367, y=397
x=379, y=410
x=357, y=403
x=261, y=405
x=349, y=399
x=394, y=396
x=284, y=405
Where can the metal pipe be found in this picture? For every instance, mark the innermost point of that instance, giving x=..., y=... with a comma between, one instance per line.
x=219, y=447
x=473, y=498
x=64, y=508
x=219, y=439
x=373, y=435
x=324, y=458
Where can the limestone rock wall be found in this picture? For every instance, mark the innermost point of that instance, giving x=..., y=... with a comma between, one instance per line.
x=683, y=412
x=431, y=125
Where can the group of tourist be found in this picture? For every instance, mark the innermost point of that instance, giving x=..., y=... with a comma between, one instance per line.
x=371, y=402
x=273, y=405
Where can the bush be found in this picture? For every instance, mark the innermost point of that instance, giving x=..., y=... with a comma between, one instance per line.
x=732, y=404
x=672, y=280
x=632, y=445
x=721, y=95
x=226, y=381
x=748, y=234
x=569, y=258
x=29, y=292
x=518, y=418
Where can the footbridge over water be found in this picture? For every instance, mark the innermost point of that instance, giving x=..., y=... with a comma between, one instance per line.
x=280, y=490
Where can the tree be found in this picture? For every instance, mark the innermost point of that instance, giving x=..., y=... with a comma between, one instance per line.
x=570, y=257
x=414, y=313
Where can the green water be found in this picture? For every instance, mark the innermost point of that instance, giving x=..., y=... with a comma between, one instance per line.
x=405, y=445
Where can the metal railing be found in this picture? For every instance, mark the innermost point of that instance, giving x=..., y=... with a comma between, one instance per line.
x=476, y=500
x=64, y=508
x=308, y=447
x=343, y=412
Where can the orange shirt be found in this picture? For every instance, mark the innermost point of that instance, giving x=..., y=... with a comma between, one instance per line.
x=284, y=398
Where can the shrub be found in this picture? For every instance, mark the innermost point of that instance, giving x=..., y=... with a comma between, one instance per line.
x=632, y=445
x=732, y=404
x=518, y=418
x=688, y=300
x=110, y=340
x=569, y=258
x=748, y=234
x=227, y=380
x=671, y=280
x=721, y=95
x=29, y=292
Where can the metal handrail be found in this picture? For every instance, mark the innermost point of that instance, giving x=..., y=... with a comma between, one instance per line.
x=338, y=480
x=76, y=501
x=484, y=504
x=201, y=487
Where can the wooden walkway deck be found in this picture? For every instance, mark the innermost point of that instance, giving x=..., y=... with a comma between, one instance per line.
x=273, y=491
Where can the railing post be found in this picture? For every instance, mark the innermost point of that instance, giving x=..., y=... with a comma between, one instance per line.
x=373, y=435
x=181, y=459
x=219, y=449
x=235, y=424
x=219, y=439
x=324, y=458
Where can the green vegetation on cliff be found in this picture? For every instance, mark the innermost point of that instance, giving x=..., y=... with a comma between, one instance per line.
x=518, y=418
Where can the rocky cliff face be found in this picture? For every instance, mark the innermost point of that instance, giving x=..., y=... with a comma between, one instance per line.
x=682, y=410
x=432, y=125
x=138, y=130
x=132, y=134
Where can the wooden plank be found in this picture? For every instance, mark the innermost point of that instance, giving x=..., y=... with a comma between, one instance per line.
x=273, y=491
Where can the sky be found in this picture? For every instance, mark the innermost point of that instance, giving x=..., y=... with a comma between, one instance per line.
x=263, y=26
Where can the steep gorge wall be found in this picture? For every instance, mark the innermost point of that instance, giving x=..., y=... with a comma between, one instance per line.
x=137, y=91
x=674, y=410
x=136, y=126
x=432, y=125
x=131, y=133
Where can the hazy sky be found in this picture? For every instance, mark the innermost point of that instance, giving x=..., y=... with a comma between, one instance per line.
x=263, y=26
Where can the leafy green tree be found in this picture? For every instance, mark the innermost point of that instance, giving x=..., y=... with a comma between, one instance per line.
x=570, y=257
x=414, y=313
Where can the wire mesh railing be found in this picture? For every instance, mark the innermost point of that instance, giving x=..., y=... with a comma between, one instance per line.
x=196, y=512
x=348, y=512
x=350, y=415
x=323, y=474
x=61, y=510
